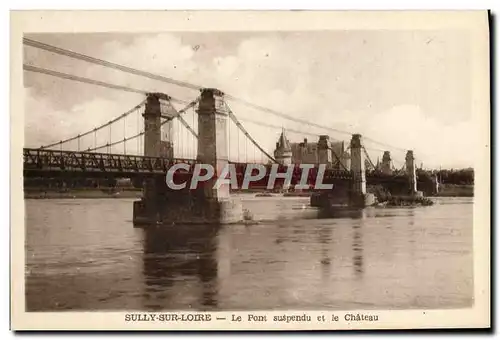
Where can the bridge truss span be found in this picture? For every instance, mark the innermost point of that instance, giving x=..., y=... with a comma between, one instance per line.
x=36, y=160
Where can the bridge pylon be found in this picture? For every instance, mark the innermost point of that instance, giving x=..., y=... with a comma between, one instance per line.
x=154, y=144
x=212, y=138
x=324, y=151
x=411, y=172
x=206, y=203
x=386, y=167
x=358, y=185
x=152, y=124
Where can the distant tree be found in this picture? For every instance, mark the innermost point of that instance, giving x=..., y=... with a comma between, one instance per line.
x=449, y=176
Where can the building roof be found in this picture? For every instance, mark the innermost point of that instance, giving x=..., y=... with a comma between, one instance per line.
x=283, y=142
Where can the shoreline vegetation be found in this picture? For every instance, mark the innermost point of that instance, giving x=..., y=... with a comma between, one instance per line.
x=82, y=193
x=446, y=190
x=455, y=190
x=405, y=201
x=452, y=183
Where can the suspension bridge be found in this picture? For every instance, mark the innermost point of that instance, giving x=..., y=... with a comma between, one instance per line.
x=144, y=142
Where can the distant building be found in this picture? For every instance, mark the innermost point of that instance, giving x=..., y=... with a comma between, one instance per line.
x=333, y=154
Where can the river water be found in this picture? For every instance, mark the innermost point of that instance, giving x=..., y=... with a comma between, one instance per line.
x=85, y=254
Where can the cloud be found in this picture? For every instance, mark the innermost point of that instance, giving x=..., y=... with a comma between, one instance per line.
x=51, y=114
x=45, y=125
x=433, y=142
x=331, y=80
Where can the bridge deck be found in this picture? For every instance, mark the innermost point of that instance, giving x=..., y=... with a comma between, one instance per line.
x=42, y=163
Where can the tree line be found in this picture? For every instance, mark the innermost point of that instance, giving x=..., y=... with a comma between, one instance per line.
x=449, y=176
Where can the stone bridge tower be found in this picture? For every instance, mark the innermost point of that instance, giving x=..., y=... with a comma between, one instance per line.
x=324, y=151
x=212, y=137
x=358, y=191
x=206, y=203
x=154, y=144
x=411, y=171
x=152, y=124
x=386, y=166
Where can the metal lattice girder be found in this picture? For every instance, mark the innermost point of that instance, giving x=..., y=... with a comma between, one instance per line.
x=71, y=161
x=38, y=161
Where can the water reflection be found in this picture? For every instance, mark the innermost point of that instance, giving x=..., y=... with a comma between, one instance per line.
x=373, y=258
x=357, y=248
x=179, y=255
x=280, y=234
x=324, y=239
x=411, y=233
x=340, y=212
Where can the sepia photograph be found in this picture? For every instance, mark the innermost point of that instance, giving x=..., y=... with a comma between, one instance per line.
x=254, y=177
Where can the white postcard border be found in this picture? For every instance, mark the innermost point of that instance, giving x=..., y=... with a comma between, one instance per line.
x=475, y=22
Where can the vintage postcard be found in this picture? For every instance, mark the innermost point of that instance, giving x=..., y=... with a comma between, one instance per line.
x=286, y=170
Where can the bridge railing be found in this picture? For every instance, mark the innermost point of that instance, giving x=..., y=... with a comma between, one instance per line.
x=36, y=159
x=76, y=161
x=62, y=160
x=297, y=171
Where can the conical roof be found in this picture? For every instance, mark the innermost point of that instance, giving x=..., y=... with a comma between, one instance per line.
x=283, y=142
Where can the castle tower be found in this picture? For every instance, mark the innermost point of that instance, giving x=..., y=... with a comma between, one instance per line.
x=283, y=151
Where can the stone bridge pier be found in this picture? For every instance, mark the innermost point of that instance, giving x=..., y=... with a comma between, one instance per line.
x=345, y=192
x=204, y=204
x=358, y=184
x=411, y=172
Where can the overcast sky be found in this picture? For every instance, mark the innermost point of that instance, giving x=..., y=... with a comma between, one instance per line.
x=409, y=89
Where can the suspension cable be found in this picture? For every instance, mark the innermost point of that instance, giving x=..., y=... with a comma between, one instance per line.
x=177, y=114
x=93, y=82
x=238, y=124
x=137, y=130
x=110, y=136
x=195, y=148
x=138, y=106
x=229, y=139
x=67, y=76
x=108, y=145
x=101, y=62
x=280, y=127
x=338, y=159
x=124, y=139
x=368, y=157
x=238, y=144
x=138, y=134
x=35, y=69
x=124, y=133
x=126, y=69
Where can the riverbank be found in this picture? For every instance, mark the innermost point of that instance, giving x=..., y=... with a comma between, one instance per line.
x=455, y=190
x=445, y=190
x=32, y=194
x=406, y=201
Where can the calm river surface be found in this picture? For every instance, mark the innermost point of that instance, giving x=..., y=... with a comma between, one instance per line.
x=85, y=254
